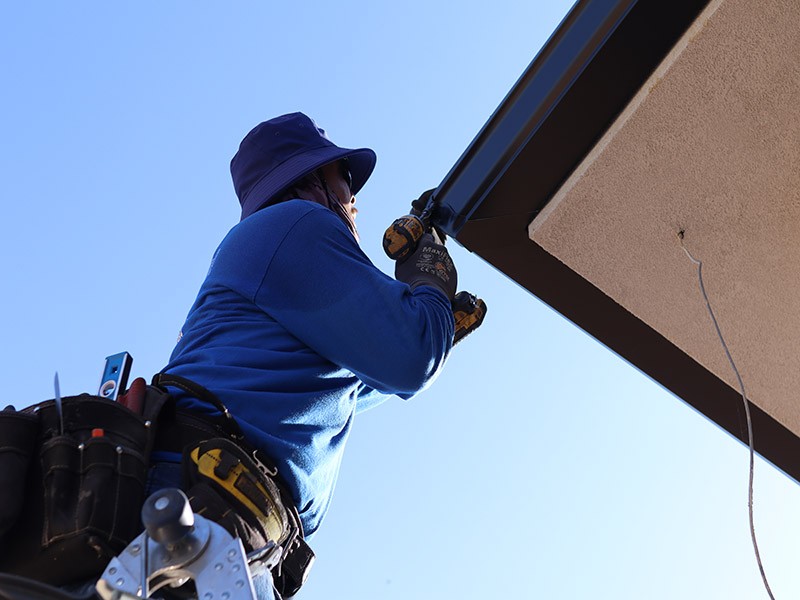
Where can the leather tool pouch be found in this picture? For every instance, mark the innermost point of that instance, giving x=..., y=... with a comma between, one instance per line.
x=83, y=496
x=219, y=476
x=18, y=432
x=218, y=468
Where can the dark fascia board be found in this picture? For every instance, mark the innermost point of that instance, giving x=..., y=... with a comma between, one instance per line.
x=552, y=73
x=584, y=76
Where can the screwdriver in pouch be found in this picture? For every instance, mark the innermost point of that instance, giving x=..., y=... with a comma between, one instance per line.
x=59, y=407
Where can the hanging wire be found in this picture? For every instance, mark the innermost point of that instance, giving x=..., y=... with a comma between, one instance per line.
x=699, y=264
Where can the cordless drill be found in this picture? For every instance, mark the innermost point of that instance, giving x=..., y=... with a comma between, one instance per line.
x=401, y=239
x=402, y=236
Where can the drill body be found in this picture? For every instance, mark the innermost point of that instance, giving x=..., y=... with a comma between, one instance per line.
x=403, y=235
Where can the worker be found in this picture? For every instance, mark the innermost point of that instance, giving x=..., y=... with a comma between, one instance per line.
x=295, y=331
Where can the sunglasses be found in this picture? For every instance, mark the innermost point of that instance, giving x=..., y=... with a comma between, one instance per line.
x=344, y=166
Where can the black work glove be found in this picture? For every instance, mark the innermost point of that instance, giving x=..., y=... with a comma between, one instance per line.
x=430, y=264
x=418, y=205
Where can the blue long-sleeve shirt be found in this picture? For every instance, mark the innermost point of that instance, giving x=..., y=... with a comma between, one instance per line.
x=296, y=330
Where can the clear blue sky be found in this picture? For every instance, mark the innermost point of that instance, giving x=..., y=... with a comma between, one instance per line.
x=539, y=465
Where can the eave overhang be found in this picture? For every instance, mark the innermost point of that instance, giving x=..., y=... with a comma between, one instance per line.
x=573, y=91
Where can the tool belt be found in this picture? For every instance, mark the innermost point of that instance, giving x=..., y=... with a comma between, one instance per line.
x=72, y=483
x=72, y=486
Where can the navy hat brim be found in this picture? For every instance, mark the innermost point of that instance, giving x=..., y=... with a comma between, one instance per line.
x=361, y=162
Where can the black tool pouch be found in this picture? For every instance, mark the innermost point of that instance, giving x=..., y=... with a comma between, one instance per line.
x=220, y=476
x=18, y=433
x=84, y=494
x=293, y=571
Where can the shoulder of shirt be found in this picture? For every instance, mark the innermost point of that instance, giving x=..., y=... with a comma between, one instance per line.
x=248, y=249
x=284, y=216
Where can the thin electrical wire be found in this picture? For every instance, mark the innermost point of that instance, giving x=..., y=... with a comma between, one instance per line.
x=746, y=412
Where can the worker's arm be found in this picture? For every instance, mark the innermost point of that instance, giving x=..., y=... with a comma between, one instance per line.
x=325, y=291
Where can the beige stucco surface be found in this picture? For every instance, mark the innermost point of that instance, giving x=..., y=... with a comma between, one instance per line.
x=710, y=145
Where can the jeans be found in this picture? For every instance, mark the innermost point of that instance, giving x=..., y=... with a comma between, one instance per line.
x=163, y=474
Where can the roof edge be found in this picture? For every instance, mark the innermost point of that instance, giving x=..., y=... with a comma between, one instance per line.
x=558, y=64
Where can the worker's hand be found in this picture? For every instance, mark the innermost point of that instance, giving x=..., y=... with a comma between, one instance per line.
x=468, y=314
x=430, y=264
x=419, y=205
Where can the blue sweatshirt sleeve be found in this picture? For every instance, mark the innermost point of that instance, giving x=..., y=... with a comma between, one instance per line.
x=325, y=291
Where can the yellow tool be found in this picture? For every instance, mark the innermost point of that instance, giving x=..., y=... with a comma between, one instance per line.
x=403, y=235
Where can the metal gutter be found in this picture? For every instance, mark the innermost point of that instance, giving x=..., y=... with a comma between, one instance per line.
x=561, y=60
x=583, y=77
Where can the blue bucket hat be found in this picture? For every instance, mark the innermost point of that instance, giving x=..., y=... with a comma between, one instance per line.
x=284, y=149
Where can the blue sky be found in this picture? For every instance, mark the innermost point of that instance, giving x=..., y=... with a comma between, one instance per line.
x=539, y=465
